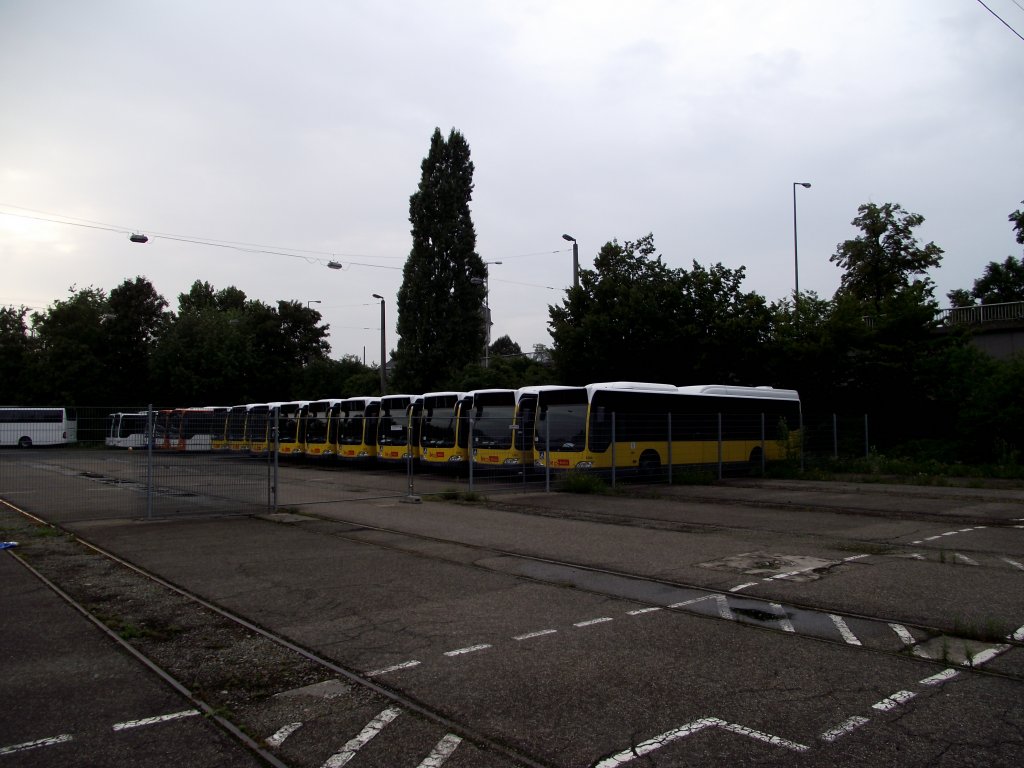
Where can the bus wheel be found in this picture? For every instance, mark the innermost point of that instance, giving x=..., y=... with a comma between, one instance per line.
x=755, y=461
x=25, y=442
x=649, y=461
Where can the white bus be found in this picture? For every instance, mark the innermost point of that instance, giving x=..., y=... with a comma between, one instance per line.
x=25, y=427
x=126, y=430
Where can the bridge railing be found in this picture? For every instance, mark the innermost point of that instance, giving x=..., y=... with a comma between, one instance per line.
x=982, y=313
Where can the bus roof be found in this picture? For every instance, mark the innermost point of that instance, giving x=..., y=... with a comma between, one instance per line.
x=728, y=390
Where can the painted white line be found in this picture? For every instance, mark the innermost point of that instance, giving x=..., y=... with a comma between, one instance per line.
x=723, y=608
x=788, y=574
x=941, y=677
x=641, y=611
x=784, y=621
x=854, y=557
x=646, y=747
x=723, y=605
x=592, y=622
x=980, y=527
x=891, y=702
x=25, y=746
x=441, y=752
x=965, y=559
x=359, y=741
x=845, y=727
x=919, y=541
x=986, y=656
x=393, y=668
x=767, y=738
x=903, y=633
x=965, y=530
x=916, y=555
x=844, y=630
x=470, y=649
x=282, y=733
x=950, y=533
x=154, y=720
x=933, y=538
x=1018, y=635
x=744, y=586
x=1014, y=563
x=538, y=633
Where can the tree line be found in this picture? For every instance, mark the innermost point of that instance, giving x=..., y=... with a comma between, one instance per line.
x=876, y=346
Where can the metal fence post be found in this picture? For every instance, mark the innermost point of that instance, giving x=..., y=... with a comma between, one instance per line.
x=472, y=450
x=719, y=446
x=613, y=449
x=547, y=456
x=669, y=452
x=762, y=445
x=835, y=437
x=867, y=443
x=149, y=462
x=277, y=444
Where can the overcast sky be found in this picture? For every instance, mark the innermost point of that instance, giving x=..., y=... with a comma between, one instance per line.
x=300, y=127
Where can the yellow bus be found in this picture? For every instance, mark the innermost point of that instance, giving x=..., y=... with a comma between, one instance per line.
x=438, y=419
x=291, y=428
x=322, y=420
x=257, y=428
x=235, y=428
x=490, y=414
x=647, y=426
x=357, y=429
x=396, y=438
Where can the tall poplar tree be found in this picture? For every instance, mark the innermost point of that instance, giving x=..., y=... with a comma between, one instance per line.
x=440, y=320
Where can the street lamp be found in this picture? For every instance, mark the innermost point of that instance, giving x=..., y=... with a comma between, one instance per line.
x=383, y=349
x=575, y=260
x=313, y=301
x=796, y=259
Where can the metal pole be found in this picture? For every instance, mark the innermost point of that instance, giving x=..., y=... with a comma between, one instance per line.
x=383, y=353
x=670, y=449
x=719, y=446
x=408, y=457
x=149, y=462
x=471, y=450
x=547, y=456
x=613, y=449
x=277, y=445
x=762, y=445
x=575, y=264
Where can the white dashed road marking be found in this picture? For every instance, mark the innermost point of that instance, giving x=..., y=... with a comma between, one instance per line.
x=154, y=720
x=844, y=630
x=845, y=727
x=282, y=733
x=539, y=633
x=25, y=746
x=351, y=749
x=470, y=649
x=393, y=668
x=444, y=749
x=903, y=633
x=591, y=622
x=891, y=702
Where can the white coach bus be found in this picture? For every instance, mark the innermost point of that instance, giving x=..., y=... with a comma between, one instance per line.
x=25, y=427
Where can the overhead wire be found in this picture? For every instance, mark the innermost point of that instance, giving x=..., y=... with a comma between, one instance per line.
x=1005, y=23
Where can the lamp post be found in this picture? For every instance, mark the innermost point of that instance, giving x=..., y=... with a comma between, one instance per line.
x=575, y=260
x=313, y=301
x=796, y=258
x=383, y=349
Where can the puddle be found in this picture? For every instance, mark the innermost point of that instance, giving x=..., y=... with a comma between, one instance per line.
x=771, y=565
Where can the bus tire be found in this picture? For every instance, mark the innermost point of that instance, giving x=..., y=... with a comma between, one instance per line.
x=755, y=460
x=25, y=442
x=650, y=461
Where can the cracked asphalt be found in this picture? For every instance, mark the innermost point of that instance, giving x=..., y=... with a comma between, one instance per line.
x=578, y=631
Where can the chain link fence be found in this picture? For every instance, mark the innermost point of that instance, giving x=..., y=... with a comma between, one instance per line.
x=154, y=464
